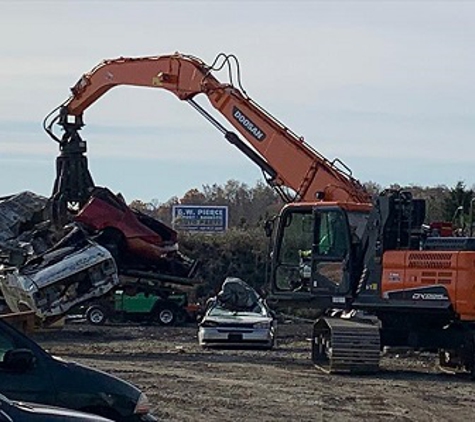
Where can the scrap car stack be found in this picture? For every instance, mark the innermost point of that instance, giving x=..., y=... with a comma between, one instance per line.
x=49, y=269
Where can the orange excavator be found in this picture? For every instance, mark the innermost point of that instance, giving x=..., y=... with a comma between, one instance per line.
x=377, y=276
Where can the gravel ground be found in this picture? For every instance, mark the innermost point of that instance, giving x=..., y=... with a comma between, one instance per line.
x=186, y=383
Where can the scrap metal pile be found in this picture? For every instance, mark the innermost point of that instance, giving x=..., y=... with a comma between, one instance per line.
x=51, y=269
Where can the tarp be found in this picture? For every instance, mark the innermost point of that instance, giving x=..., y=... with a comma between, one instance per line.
x=236, y=294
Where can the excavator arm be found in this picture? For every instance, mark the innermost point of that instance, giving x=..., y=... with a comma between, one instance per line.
x=287, y=160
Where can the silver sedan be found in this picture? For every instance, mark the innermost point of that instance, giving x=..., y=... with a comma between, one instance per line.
x=224, y=327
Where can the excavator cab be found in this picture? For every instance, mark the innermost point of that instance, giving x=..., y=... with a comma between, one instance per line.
x=316, y=252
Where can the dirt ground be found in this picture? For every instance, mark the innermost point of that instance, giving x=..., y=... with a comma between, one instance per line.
x=186, y=383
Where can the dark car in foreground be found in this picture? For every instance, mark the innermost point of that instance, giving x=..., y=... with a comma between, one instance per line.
x=29, y=373
x=13, y=411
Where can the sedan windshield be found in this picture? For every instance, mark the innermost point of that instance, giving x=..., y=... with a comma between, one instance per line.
x=218, y=310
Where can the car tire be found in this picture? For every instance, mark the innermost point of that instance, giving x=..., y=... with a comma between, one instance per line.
x=166, y=315
x=96, y=315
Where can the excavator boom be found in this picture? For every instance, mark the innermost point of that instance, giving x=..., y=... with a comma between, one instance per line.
x=290, y=162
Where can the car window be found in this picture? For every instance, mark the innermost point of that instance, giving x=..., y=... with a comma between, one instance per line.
x=218, y=310
x=6, y=343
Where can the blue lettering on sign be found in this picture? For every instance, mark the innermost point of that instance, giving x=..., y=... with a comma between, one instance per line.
x=200, y=218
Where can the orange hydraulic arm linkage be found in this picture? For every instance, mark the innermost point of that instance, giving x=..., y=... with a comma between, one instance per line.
x=288, y=161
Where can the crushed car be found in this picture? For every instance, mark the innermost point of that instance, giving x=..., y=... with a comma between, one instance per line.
x=136, y=240
x=21, y=215
x=73, y=271
x=19, y=211
x=51, y=269
x=237, y=316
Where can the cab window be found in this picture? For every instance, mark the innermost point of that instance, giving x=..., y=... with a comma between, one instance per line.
x=332, y=237
x=294, y=255
x=297, y=237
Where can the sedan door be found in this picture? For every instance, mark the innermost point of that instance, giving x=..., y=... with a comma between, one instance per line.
x=22, y=380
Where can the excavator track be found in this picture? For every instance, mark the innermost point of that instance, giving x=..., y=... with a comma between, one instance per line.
x=340, y=345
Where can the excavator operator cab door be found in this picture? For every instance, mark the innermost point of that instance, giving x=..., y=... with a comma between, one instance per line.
x=291, y=255
x=313, y=254
x=331, y=252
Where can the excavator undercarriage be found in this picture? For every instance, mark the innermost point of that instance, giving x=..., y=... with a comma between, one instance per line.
x=340, y=345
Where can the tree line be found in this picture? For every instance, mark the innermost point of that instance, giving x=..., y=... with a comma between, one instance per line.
x=243, y=250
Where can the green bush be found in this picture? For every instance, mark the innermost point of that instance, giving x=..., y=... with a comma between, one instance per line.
x=236, y=253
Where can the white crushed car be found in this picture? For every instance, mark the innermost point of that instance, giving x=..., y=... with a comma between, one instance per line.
x=72, y=272
x=241, y=319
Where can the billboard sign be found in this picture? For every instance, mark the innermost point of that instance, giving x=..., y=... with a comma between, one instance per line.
x=200, y=218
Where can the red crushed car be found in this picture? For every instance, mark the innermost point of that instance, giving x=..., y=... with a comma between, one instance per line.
x=136, y=240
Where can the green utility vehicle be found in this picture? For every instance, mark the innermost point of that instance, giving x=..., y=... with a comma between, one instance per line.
x=165, y=309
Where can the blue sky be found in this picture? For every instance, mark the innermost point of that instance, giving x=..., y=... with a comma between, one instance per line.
x=385, y=86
